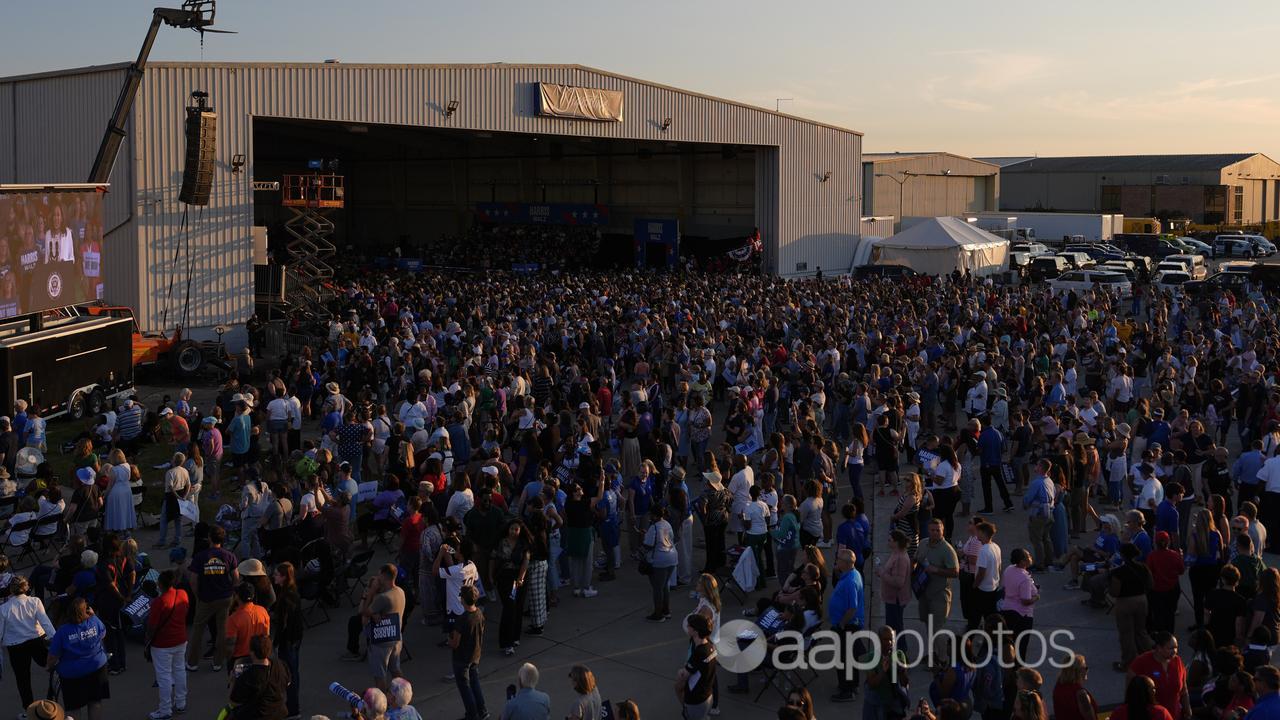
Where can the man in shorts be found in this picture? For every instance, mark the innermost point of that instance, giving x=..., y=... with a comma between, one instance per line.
x=382, y=611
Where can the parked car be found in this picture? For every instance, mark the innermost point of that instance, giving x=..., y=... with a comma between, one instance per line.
x=1173, y=282
x=884, y=271
x=1080, y=280
x=1030, y=248
x=1148, y=244
x=1233, y=281
x=1172, y=266
x=1077, y=260
x=1044, y=267
x=1226, y=246
x=1196, y=266
x=1124, y=267
x=1098, y=251
x=1202, y=249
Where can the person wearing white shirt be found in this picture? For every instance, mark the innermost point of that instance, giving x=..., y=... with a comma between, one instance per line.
x=986, y=577
x=976, y=399
x=24, y=626
x=740, y=487
x=755, y=518
x=1150, y=497
x=278, y=411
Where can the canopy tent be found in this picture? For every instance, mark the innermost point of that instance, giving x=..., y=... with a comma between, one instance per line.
x=940, y=245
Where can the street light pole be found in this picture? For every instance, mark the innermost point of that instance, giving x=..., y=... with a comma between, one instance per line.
x=906, y=175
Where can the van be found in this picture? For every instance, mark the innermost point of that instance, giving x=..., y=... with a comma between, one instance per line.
x=1227, y=246
x=1194, y=263
x=1077, y=260
x=1044, y=267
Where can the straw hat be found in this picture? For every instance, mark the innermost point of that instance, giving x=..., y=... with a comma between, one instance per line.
x=332, y=387
x=251, y=568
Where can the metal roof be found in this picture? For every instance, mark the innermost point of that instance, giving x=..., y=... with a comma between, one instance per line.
x=870, y=158
x=556, y=66
x=1128, y=163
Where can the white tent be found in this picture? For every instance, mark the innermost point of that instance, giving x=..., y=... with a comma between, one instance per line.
x=940, y=245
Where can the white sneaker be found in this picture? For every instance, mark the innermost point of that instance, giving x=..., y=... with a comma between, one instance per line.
x=824, y=543
x=589, y=593
x=714, y=711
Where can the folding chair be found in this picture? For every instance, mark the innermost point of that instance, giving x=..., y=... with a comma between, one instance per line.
x=51, y=532
x=349, y=577
x=312, y=589
x=26, y=548
x=8, y=506
x=728, y=583
x=783, y=681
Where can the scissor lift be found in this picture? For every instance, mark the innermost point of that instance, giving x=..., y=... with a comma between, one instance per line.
x=310, y=198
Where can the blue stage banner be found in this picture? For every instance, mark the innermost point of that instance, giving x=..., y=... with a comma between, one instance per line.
x=649, y=231
x=542, y=213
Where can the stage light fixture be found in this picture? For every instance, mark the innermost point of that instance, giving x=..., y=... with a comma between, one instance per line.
x=237, y=162
x=666, y=124
x=826, y=176
x=451, y=108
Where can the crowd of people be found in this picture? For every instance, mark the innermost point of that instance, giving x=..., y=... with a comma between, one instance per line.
x=507, y=247
x=515, y=440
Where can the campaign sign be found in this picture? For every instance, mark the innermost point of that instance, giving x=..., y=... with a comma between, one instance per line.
x=385, y=630
x=138, y=608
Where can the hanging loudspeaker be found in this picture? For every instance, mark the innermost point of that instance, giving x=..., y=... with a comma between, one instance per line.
x=197, y=173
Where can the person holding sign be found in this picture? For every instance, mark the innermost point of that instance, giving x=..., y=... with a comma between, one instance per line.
x=382, y=609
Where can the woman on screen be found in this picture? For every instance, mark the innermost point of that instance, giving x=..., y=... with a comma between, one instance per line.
x=59, y=243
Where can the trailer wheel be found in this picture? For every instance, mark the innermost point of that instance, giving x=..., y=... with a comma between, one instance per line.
x=97, y=402
x=76, y=407
x=188, y=358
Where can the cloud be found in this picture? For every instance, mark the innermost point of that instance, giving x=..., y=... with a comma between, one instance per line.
x=979, y=73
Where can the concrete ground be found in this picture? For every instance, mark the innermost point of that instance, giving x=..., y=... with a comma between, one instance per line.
x=631, y=658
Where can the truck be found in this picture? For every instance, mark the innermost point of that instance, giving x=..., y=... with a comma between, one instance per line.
x=1051, y=227
x=72, y=365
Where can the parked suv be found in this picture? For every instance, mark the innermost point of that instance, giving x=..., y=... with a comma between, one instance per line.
x=1044, y=267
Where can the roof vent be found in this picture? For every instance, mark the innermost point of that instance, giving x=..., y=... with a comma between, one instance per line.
x=332, y=61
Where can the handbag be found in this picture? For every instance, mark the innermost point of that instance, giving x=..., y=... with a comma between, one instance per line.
x=919, y=581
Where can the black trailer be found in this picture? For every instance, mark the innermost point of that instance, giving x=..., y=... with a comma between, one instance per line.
x=71, y=366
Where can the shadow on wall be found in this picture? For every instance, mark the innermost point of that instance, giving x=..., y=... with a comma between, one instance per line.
x=209, y=261
x=833, y=252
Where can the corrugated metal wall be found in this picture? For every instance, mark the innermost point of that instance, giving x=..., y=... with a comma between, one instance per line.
x=52, y=126
x=802, y=218
x=971, y=187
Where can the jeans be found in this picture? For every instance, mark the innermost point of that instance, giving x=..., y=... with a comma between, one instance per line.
x=893, y=613
x=660, y=582
x=553, y=567
x=171, y=676
x=20, y=659
x=165, y=519
x=580, y=568
x=855, y=479
x=291, y=655
x=1038, y=537
x=467, y=678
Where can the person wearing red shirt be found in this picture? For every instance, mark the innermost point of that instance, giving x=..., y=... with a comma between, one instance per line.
x=1162, y=664
x=411, y=528
x=166, y=638
x=1166, y=568
x=1140, y=702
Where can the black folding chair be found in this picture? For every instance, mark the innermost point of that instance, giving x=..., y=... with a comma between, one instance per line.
x=8, y=506
x=26, y=548
x=349, y=577
x=785, y=680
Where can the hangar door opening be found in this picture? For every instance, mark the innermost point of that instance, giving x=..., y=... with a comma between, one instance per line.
x=468, y=199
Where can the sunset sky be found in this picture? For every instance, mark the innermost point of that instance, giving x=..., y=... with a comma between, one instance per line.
x=981, y=78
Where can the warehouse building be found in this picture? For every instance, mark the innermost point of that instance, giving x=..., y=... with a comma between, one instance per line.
x=1230, y=189
x=424, y=149
x=927, y=184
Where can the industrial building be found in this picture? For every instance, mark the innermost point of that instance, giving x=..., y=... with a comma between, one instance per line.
x=927, y=184
x=1226, y=189
x=421, y=148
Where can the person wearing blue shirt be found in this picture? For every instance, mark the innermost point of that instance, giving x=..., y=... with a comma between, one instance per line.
x=991, y=453
x=1167, y=516
x=1158, y=431
x=1267, y=683
x=610, y=531
x=1135, y=523
x=1245, y=472
x=529, y=703
x=1038, y=502
x=78, y=655
x=846, y=612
